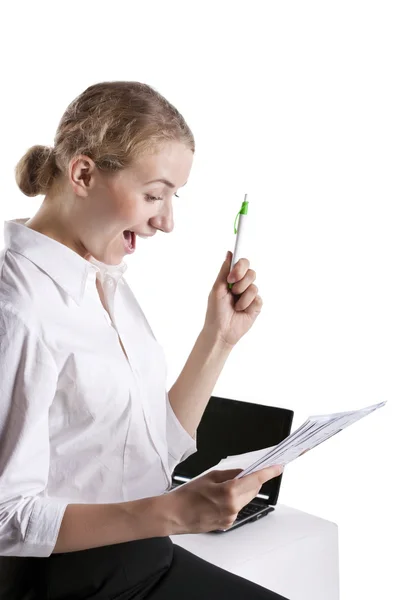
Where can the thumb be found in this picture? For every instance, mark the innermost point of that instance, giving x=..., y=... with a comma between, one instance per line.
x=219, y=476
x=225, y=270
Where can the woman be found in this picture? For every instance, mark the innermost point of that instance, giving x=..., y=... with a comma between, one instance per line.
x=88, y=435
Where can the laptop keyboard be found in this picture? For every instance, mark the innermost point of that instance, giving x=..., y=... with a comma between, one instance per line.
x=249, y=510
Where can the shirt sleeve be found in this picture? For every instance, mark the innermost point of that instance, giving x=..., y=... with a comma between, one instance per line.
x=181, y=445
x=29, y=519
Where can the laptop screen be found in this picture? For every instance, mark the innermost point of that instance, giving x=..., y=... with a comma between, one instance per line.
x=231, y=427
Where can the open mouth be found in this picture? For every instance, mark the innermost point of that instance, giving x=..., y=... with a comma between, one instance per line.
x=129, y=240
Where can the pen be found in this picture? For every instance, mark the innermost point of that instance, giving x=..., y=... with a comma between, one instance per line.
x=242, y=215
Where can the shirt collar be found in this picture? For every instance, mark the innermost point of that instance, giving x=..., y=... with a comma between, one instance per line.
x=69, y=270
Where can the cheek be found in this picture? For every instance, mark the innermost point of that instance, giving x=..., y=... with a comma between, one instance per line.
x=129, y=207
x=126, y=207
x=134, y=209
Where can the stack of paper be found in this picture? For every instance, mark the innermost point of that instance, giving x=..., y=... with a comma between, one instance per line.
x=314, y=431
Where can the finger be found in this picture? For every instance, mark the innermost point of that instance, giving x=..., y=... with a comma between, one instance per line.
x=255, y=307
x=246, y=298
x=240, y=286
x=238, y=270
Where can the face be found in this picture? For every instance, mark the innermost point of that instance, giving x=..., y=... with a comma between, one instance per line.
x=107, y=205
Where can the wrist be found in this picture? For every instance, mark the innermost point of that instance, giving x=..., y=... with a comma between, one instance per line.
x=151, y=517
x=173, y=513
x=214, y=340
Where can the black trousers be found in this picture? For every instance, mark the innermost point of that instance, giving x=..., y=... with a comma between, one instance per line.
x=155, y=569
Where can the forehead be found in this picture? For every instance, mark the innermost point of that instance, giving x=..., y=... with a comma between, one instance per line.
x=171, y=161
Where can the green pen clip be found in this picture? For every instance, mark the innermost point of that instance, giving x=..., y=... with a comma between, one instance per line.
x=242, y=211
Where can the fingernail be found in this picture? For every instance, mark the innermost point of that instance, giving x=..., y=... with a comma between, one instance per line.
x=227, y=255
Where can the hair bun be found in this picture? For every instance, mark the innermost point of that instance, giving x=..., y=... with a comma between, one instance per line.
x=35, y=171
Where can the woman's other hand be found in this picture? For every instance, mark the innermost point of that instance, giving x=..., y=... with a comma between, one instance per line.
x=212, y=501
x=231, y=313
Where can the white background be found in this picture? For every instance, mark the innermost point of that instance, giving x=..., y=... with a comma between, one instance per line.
x=297, y=104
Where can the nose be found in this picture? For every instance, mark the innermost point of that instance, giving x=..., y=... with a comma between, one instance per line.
x=164, y=221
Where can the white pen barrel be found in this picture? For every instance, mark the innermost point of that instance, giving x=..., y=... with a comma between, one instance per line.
x=240, y=237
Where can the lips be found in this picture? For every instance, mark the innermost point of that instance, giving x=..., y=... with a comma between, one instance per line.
x=129, y=241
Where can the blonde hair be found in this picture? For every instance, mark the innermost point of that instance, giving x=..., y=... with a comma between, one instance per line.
x=113, y=123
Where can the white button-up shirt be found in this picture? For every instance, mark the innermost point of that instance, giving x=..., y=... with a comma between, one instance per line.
x=79, y=422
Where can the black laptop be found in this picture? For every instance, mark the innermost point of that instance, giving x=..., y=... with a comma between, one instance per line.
x=229, y=427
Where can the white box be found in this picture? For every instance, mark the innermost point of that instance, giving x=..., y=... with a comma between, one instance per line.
x=290, y=552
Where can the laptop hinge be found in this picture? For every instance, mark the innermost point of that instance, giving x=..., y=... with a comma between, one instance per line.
x=262, y=496
x=182, y=479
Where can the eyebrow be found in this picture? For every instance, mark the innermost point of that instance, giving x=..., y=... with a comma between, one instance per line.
x=168, y=183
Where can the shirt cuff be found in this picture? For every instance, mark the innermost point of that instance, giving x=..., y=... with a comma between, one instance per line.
x=180, y=443
x=44, y=526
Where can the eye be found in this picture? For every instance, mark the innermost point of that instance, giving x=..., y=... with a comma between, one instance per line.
x=154, y=198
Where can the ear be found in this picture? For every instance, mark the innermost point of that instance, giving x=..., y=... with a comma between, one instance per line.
x=81, y=174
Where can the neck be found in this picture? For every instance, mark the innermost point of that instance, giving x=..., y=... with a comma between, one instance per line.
x=52, y=221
